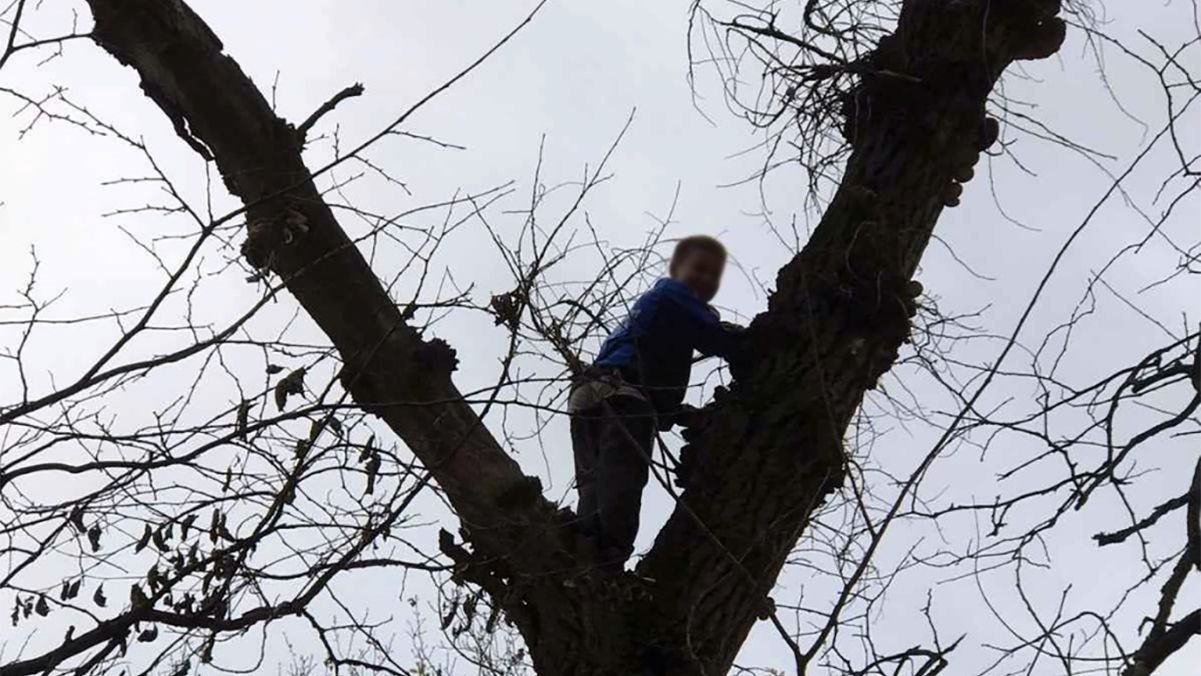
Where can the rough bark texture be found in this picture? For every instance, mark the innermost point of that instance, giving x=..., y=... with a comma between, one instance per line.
x=838, y=316
x=220, y=113
x=773, y=451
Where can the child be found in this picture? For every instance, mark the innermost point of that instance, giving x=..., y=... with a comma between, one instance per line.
x=637, y=383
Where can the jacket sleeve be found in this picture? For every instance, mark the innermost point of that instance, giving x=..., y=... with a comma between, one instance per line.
x=709, y=335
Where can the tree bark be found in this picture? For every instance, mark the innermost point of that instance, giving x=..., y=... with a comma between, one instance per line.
x=838, y=316
x=773, y=451
x=389, y=368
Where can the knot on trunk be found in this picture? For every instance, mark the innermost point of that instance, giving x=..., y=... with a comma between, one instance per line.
x=424, y=365
x=436, y=357
x=946, y=55
x=521, y=493
x=1027, y=29
x=267, y=233
x=992, y=33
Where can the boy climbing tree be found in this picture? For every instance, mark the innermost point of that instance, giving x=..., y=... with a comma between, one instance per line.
x=636, y=385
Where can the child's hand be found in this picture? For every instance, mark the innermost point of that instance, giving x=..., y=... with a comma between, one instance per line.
x=688, y=416
x=737, y=358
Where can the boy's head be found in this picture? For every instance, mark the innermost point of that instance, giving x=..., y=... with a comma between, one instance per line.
x=698, y=262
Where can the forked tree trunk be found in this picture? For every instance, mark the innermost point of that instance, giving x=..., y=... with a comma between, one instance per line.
x=773, y=451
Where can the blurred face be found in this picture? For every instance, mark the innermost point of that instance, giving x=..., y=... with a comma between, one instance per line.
x=701, y=271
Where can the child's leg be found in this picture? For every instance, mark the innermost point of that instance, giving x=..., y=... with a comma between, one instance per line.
x=624, y=444
x=583, y=441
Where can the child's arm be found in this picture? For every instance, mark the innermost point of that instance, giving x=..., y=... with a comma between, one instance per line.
x=710, y=336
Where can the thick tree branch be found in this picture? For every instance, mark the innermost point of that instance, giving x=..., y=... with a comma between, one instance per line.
x=293, y=233
x=773, y=451
x=1162, y=645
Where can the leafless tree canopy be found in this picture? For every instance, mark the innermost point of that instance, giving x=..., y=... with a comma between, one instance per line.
x=193, y=479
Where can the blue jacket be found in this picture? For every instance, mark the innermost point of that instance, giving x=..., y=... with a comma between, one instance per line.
x=653, y=347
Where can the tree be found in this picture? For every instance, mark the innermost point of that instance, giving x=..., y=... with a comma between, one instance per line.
x=911, y=100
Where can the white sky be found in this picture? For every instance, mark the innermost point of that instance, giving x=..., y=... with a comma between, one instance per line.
x=573, y=77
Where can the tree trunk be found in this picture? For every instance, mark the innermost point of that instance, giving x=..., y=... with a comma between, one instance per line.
x=834, y=325
x=389, y=368
x=773, y=451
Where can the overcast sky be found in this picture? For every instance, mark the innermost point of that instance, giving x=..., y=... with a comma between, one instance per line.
x=572, y=78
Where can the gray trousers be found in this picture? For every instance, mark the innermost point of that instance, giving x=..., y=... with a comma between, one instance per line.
x=613, y=442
